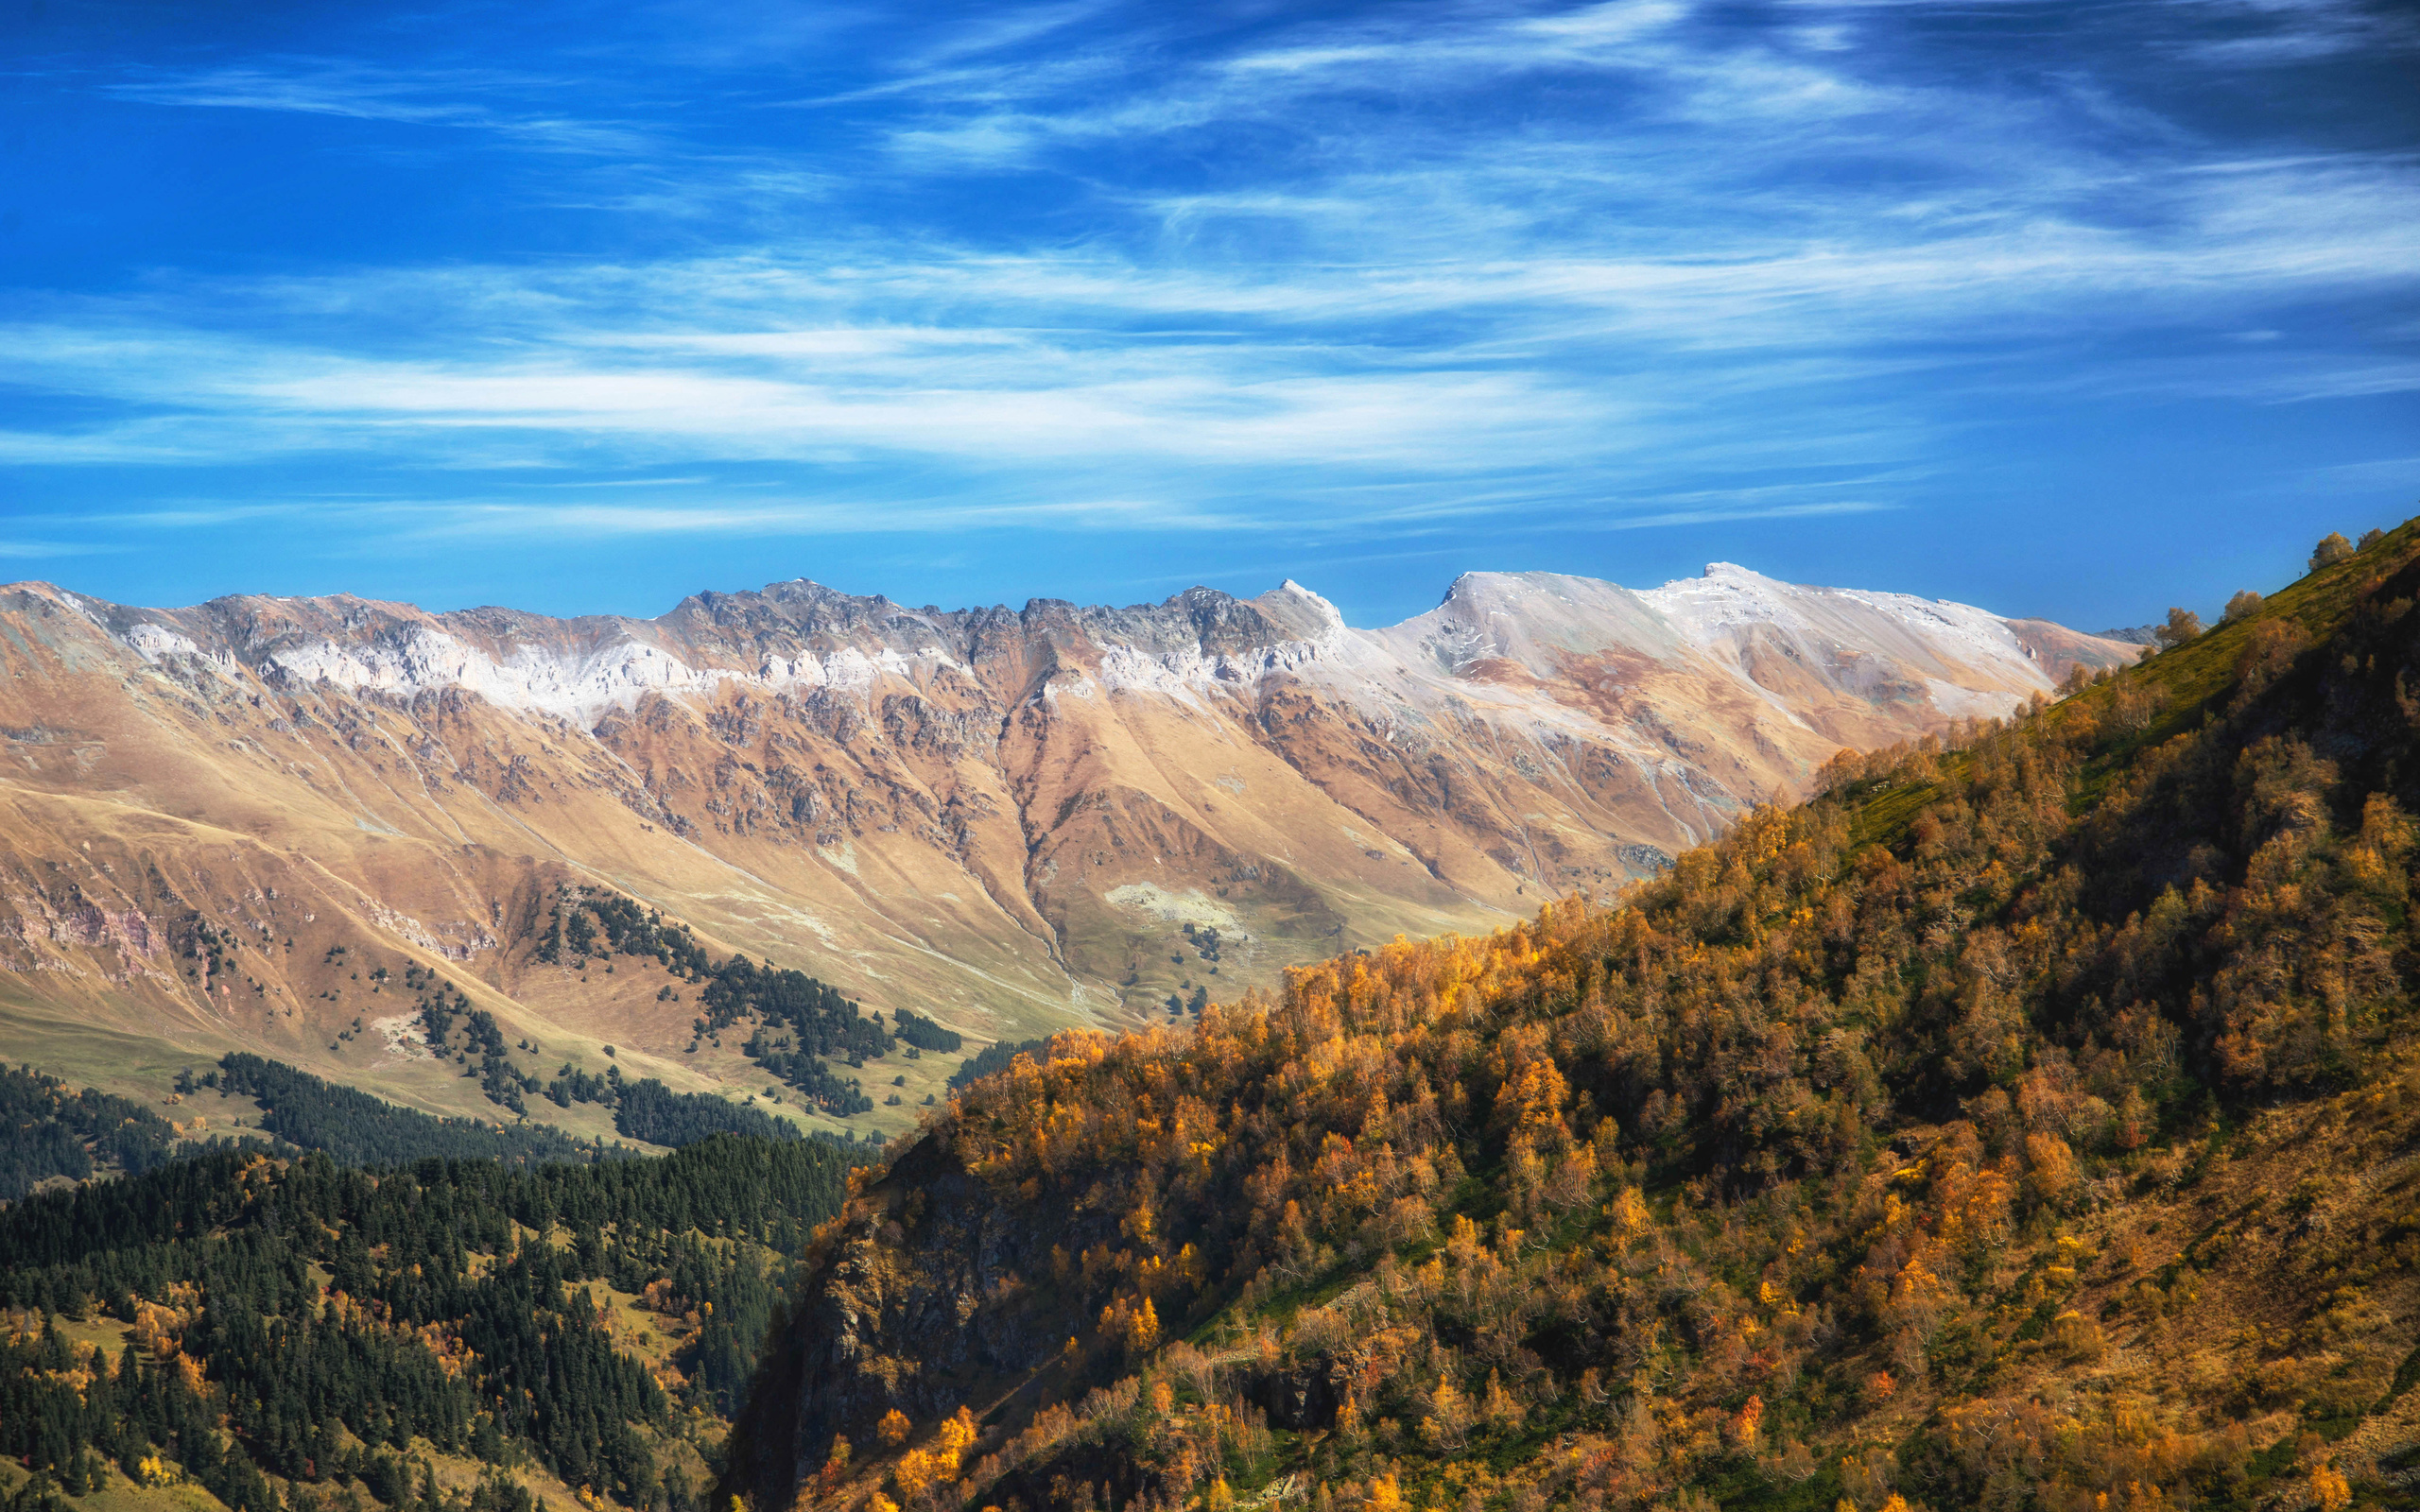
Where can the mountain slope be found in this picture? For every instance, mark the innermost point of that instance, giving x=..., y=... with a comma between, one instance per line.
x=2029, y=1123
x=223, y=823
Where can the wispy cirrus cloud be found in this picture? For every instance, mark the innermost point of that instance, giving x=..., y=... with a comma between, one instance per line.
x=1434, y=362
x=2285, y=32
x=20, y=550
x=515, y=521
x=475, y=99
x=1482, y=262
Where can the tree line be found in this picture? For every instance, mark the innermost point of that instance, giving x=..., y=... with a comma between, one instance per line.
x=798, y=1022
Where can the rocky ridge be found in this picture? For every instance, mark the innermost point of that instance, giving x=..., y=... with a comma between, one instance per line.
x=1012, y=819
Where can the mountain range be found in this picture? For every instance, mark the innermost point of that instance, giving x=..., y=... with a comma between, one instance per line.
x=235, y=826
x=2027, y=1119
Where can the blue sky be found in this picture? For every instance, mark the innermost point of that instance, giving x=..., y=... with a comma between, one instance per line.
x=2072, y=309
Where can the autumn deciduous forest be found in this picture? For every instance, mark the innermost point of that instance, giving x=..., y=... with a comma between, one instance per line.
x=2025, y=1122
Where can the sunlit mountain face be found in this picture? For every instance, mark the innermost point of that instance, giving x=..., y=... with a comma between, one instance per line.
x=286, y=826
x=574, y=308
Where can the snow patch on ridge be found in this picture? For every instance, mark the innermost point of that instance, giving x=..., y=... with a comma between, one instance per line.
x=573, y=686
x=1545, y=657
x=425, y=659
x=1185, y=675
x=1729, y=601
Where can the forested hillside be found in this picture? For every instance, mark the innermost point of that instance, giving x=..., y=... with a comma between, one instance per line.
x=294, y=1335
x=49, y=1132
x=358, y=1129
x=2029, y=1120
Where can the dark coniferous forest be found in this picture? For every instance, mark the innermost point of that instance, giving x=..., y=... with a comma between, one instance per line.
x=299, y=1333
x=49, y=1130
x=358, y=1129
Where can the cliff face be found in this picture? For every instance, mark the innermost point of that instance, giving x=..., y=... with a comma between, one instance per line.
x=1012, y=819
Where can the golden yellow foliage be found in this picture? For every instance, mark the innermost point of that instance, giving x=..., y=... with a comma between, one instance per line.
x=918, y=1468
x=1630, y=1213
x=957, y=1433
x=2330, y=1489
x=1144, y=1332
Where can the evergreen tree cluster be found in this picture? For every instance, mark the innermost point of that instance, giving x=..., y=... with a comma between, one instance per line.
x=359, y=1130
x=800, y=1021
x=47, y=1131
x=993, y=1059
x=650, y=1111
x=1205, y=941
x=824, y=1022
x=211, y=948
x=573, y=1085
x=647, y=1109
x=925, y=1034
x=461, y=1311
x=586, y=922
x=481, y=1051
x=806, y=1074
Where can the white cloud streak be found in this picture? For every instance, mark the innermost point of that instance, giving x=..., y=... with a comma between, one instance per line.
x=1726, y=227
x=474, y=99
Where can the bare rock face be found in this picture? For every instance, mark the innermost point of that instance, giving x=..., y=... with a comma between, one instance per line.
x=1012, y=820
